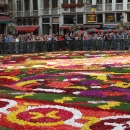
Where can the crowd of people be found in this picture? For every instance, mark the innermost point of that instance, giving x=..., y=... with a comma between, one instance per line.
x=72, y=41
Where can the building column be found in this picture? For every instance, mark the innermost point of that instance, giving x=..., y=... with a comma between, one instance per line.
x=113, y=5
x=31, y=7
x=60, y=23
x=50, y=26
x=125, y=8
x=103, y=18
x=94, y=2
x=40, y=32
x=23, y=9
x=103, y=4
x=50, y=6
x=84, y=18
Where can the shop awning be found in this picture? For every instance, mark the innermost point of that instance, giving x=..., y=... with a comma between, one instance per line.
x=127, y=24
x=91, y=26
x=107, y=26
x=26, y=28
x=65, y=27
x=4, y=19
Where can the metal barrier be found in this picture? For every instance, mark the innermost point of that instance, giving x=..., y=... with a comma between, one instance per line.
x=42, y=46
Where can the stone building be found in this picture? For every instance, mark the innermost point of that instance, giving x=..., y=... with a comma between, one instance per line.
x=6, y=14
x=57, y=16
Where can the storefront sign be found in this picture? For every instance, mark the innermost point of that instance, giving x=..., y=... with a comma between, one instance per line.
x=110, y=17
x=91, y=18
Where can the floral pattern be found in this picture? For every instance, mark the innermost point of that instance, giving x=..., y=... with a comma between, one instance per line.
x=74, y=90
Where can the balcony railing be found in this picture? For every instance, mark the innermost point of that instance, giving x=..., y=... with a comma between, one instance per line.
x=35, y=13
x=108, y=7
x=88, y=8
x=99, y=7
x=119, y=6
x=128, y=6
x=72, y=9
x=27, y=13
x=19, y=13
x=45, y=11
x=54, y=11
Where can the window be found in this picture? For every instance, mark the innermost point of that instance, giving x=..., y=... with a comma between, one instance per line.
x=46, y=4
x=65, y=1
x=26, y=3
x=29, y=21
x=99, y=18
x=10, y=5
x=18, y=5
x=35, y=5
x=25, y=22
x=88, y=1
x=19, y=22
x=79, y=19
x=110, y=18
x=99, y=1
x=46, y=20
x=108, y=1
x=118, y=17
x=119, y=1
x=128, y=17
x=54, y=3
x=72, y=1
x=80, y=1
x=68, y=19
x=35, y=22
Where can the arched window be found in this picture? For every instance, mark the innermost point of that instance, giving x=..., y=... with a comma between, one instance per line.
x=25, y=22
x=19, y=22
x=35, y=22
x=29, y=21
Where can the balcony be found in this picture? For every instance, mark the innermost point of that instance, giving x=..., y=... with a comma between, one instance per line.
x=27, y=13
x=19, y=13
x=119, y=6
x=45, y=11
x=128, y=6
x=35, y=13
x=54, y=11
x=88, y=8
x=99, y=7
x=72, y=10
x=108, y=7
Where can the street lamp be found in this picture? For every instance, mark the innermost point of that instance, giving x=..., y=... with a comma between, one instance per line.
x=74, y=27
x=74, y=20
x=11, y=29
x=121, y=18
x=121, y=24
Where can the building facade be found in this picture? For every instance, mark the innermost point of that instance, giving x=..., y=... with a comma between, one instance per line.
x=57, y=16
x=6, y=14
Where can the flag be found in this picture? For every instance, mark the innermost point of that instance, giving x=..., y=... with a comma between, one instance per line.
x=93, y=10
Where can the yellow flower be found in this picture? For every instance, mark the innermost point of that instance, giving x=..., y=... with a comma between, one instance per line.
x=63, y=99
x=91, y=121
x=26, y=83
x=78, y=87
x=110, y=104
x=9, y=77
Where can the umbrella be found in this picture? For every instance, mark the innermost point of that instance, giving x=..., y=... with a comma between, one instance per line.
x=79, y=32
x=119, y=30
x=106, y=30
x=92, y=30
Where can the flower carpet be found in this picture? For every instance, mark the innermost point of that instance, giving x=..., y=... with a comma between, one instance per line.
x=67, y=90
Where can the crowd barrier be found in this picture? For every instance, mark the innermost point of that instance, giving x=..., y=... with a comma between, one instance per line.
x=42, y=46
